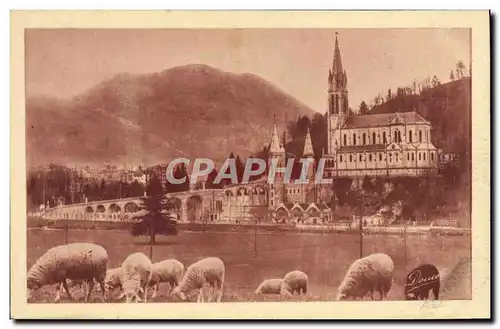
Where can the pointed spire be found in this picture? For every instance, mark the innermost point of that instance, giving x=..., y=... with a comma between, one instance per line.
x=337, y=60
x=275, y=141
x=308, y=148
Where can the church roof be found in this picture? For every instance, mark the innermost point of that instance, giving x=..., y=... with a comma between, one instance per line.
x=382, y=120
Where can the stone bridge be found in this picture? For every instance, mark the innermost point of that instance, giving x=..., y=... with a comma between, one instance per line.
x=232, y=203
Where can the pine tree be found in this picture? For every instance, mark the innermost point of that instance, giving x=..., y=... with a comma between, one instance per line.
x=152, y=219
x=363, y=108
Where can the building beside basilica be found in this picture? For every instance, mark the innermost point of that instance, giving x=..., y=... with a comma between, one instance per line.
x=291, y=201
x=393, y=144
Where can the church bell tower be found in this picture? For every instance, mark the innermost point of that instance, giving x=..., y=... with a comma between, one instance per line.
x=338, y=104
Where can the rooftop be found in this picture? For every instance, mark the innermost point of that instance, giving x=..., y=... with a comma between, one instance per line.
x=382, y=120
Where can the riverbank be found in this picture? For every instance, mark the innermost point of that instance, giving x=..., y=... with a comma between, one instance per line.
x=222, y=227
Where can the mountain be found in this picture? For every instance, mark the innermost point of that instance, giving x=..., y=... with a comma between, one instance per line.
x=189, y=111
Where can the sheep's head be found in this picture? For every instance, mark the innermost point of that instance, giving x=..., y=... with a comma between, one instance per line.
x=285, y=292
x=342, y=296
x=130, y=296
x=177, y=293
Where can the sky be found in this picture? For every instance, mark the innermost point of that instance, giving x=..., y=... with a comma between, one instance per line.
x=66, y=62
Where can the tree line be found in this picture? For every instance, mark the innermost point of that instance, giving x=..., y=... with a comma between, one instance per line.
x=415, y=88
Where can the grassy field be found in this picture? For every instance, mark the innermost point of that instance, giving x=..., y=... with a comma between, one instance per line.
x=324, y=257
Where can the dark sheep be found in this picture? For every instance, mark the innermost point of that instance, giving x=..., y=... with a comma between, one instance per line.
x=421, y=281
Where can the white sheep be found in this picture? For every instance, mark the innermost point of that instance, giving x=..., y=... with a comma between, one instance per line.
x=367, y=275
x=168, y=270
x=112, y=280
x=269, y=286
x=294, y=282
x=209, y=271
x=135, y=276
x=75, y=261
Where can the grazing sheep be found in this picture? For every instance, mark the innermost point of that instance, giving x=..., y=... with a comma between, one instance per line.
x=112, y=280
x=209, y=271
x=168, y=270
x=135, y=276
x=75, y=261
x=269, y=286
x=294, y=282
x=367, y=275
x=421, y=281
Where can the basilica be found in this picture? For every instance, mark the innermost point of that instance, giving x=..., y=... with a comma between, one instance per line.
x=374, y=145
x=392, y=144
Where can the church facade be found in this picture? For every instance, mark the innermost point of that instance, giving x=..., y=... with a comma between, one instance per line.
x=393, y=144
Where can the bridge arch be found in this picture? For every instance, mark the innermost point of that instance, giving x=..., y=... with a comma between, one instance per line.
x=114, y=208
x=282, y=215
x=131, y=207
x=100, y=208
x=89, y=209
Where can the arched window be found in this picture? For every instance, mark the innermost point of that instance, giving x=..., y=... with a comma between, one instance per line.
x=419, y=156
x=432, y=156
x=360, y=157
x=384, y=138
x=364, y=139
x=370, y=157
x=373, y=138
x=354, y=139
x=397, y=136
x=340, y=158
x=380, y=157
x=345, y=139
x=390, y=157
x=420, y=136
x=424, y=156
x=411, y=137
x=413, y=157
x=350, y=157
x=408, y=156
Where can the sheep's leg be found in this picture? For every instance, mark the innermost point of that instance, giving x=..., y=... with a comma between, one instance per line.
x=65, y=285
x=103, y=289
x=212, y=292
x=220, y=290
x=90, y=284
x=155, y=290
x=58, y=293
x=198, y=299
x=145, y=293
x=171, y=287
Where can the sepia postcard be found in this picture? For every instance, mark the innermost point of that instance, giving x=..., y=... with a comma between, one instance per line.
x=250, y=165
